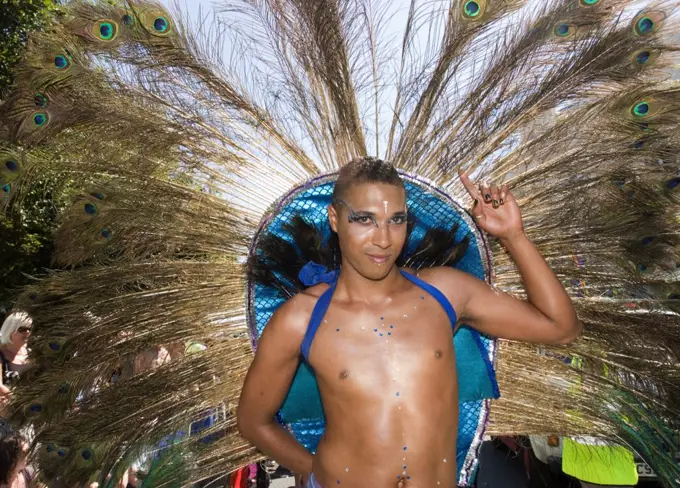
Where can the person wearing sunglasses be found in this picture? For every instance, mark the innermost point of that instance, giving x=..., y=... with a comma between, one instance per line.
x=14, y=334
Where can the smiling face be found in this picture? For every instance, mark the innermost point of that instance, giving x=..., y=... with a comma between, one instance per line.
x=20, y=336
x=370, y=220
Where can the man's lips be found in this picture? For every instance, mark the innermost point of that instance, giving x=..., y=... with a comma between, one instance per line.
x=378, y=258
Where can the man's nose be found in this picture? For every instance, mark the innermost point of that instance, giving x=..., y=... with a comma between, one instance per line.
x=382, y=237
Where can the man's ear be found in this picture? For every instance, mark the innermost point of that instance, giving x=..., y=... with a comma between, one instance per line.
x=333, y=218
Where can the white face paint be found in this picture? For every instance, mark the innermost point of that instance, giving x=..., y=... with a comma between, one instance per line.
x=385, y=206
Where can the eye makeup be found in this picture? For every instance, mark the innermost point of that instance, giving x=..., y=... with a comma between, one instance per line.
x=399, y=218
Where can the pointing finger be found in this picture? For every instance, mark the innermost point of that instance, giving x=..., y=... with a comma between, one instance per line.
x=469, y=185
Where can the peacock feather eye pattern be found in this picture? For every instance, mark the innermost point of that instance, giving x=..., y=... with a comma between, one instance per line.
x=161, y=25
x=564, y=30
x=155, y=21
x=473, y=9
x=40, y=119
x=648, y=23
x=62, y=62
x=12, y=166
x=90, y=208
x=672, y=184
x=105, y=30
x=40, y=100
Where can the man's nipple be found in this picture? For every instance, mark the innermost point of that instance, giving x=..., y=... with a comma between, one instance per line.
x=344, y=374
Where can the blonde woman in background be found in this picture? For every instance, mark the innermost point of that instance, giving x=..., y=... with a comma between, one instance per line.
x=14, y=334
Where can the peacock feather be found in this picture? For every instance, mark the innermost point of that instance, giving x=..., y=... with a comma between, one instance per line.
x=181, y=158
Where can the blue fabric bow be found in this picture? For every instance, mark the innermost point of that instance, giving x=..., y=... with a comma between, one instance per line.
x=313, y=273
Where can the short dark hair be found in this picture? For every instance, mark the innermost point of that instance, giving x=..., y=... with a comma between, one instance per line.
x=365, y=170
x=12, y=447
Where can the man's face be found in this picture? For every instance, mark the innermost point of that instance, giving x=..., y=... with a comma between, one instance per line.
x=370, y=221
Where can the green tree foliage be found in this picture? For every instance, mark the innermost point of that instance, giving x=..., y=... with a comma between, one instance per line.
x=17, y=19
x=25, y=231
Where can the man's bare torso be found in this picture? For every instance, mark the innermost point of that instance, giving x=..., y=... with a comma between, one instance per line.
x=388, y=382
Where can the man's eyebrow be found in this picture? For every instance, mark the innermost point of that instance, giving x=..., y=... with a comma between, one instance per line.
x=351, y=210
x=367, y=213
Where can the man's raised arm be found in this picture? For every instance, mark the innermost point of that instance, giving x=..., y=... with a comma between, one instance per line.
x=548, y=315
x=267, y=384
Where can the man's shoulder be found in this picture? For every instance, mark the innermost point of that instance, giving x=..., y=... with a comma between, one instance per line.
x=455, y=284
x=295, y=313
x=437, y=274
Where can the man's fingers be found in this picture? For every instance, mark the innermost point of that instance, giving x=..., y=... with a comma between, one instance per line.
x=503, y=193
x=486, y=192
x=509, y=197
x=495, y=195
x=468, y=184
x=477, y=210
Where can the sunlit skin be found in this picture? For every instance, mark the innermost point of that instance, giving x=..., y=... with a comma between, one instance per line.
x=391, y=400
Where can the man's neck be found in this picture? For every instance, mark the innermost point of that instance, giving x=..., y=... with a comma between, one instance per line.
x=361, y=289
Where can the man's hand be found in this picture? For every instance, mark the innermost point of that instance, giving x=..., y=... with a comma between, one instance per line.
x=495, y=209
x=302, y=480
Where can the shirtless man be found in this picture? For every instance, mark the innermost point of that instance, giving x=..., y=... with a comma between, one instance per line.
x=391, y=402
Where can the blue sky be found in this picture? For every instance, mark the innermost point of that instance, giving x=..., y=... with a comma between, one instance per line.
x=190, y=6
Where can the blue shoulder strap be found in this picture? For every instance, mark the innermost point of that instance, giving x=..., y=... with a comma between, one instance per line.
x=439, y=296
x=318, y=314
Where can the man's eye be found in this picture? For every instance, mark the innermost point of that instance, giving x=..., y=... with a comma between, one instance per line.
x=364, y=220
x=398, y=220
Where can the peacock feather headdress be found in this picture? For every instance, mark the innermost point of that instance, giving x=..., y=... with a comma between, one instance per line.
x=203, y=176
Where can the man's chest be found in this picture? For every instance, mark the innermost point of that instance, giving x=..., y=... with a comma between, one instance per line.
x=413, y=335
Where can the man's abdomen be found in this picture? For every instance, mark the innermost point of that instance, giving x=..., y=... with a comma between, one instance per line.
x=381, y=438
